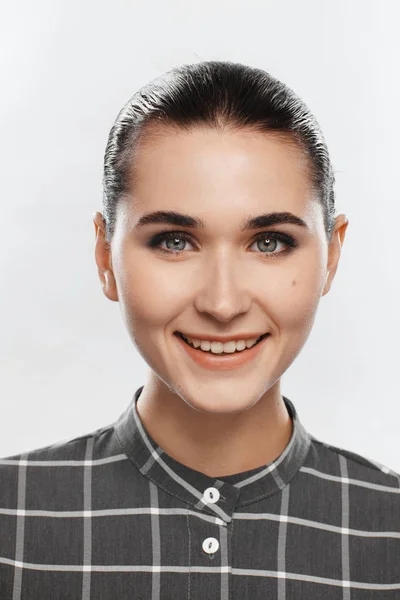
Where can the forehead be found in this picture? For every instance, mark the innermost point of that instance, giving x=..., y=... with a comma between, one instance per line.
x=239, y=171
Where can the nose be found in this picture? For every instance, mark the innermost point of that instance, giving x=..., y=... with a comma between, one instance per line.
x=224, y=293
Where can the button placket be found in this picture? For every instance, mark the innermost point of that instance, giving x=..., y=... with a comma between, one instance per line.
x=210, y=496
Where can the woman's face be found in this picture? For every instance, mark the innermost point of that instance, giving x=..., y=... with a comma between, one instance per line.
x=223, y=281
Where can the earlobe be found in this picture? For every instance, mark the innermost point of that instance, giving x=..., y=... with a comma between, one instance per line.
x=109, y=286
x=327, y=284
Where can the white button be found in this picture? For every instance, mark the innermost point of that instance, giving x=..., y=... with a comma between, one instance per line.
x=211, y=495
x=210, y=545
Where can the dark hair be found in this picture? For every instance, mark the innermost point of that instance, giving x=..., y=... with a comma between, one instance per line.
x=220, y=95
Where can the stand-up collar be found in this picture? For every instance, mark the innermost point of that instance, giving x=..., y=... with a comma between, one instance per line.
x=190, y=485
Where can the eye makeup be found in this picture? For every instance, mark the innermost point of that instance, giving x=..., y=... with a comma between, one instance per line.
x=275, y=236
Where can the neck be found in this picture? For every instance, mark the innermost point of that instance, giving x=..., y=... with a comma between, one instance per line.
x=215, y=444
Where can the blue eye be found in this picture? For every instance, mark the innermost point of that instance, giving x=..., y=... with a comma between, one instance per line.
x=269, y=240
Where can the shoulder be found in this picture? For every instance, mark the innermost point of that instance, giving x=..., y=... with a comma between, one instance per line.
x=55, y=469
x=366, y=479
x=69, y=449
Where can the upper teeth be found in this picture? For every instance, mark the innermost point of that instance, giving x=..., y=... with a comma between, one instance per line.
x=219, y=347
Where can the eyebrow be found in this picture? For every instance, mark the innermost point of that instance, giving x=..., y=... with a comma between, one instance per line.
x=181, y=220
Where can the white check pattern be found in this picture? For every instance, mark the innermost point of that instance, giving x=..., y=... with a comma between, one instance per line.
x=110, y=515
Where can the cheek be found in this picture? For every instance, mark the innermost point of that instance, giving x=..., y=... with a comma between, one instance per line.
x=151, y=292
x=296, y=300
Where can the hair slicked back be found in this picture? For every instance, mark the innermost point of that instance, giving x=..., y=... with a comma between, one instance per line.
x=224, y=96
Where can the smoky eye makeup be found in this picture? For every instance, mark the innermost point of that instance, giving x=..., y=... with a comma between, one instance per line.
x=276, y=237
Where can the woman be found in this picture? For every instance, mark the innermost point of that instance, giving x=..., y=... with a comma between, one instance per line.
x=218, y=240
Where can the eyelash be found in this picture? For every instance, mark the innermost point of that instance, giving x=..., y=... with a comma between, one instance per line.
x=155, y=241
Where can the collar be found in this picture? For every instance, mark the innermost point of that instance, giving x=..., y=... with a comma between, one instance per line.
x=193, y=487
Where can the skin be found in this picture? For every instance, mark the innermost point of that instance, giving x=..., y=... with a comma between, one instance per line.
x=216, y=422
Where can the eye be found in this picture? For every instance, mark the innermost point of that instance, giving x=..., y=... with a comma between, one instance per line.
x=174, y=236
x=267, y=242
x=270, y=240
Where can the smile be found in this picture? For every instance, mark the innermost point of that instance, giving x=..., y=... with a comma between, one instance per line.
x=221, y=361
x=220, y=348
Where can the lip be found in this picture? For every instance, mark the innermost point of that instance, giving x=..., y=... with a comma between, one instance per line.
x=227, y=362
x=223, y=338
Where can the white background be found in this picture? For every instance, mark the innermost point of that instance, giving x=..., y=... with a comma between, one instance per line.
x=67, y=365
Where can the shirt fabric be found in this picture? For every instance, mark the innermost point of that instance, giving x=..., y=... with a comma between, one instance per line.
x=110, y=516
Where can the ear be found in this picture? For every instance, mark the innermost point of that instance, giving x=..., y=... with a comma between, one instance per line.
x=334, y=251
x=103, y=259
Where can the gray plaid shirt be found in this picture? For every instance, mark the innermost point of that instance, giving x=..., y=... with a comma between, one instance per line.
x=110, y=516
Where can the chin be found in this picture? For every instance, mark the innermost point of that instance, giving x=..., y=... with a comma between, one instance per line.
x=215, y=403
